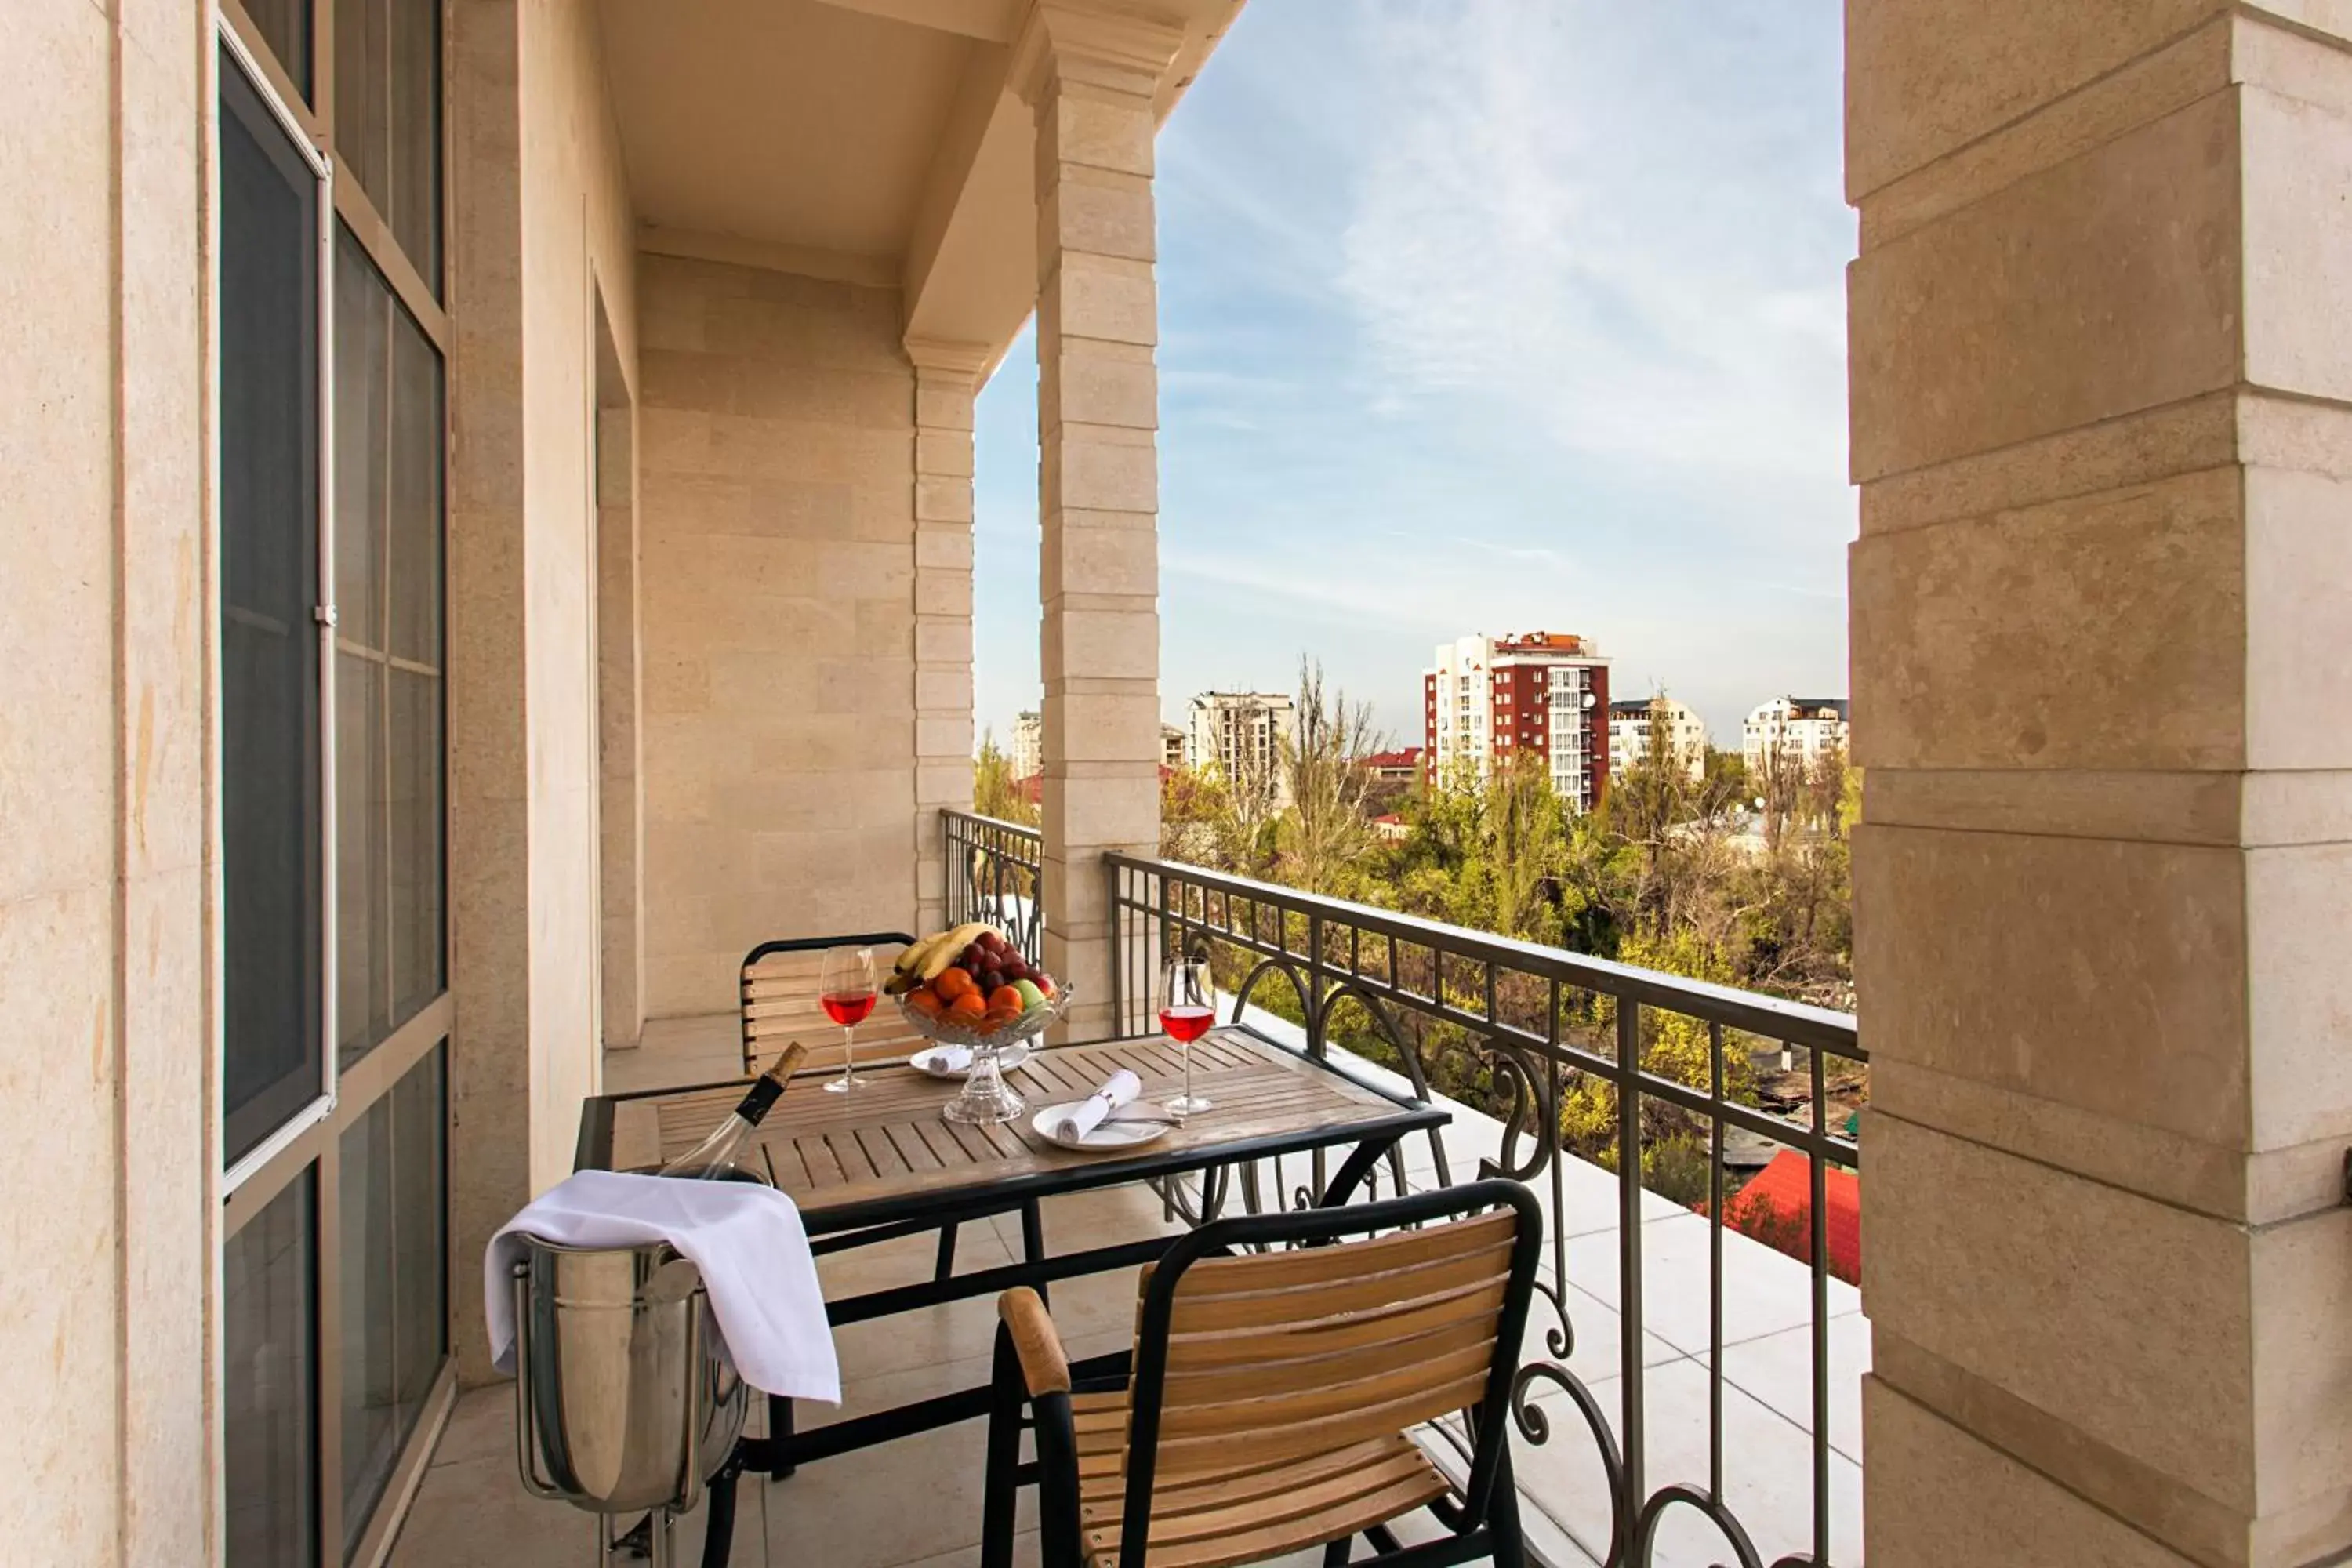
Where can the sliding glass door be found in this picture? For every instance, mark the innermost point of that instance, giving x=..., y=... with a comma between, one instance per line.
x=334, y=1065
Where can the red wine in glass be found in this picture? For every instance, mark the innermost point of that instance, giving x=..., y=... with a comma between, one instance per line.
x=845, y=989
x=1188, y=1005
x=1185, y=1025
x=848, y=1008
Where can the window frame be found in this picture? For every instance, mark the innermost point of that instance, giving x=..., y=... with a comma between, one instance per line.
x=309, y=1145
x=266, y=84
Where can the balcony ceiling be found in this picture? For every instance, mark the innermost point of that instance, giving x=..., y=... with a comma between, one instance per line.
x=867, y=140
x=781, y=121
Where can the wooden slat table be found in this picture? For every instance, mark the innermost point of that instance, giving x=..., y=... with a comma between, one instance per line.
x=881, y=1161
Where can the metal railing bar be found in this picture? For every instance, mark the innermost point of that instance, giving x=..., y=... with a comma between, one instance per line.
x=1634, y=1374
x=1715, y=1267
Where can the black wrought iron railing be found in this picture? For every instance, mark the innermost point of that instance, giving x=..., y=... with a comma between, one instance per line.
x=991, y=875
x=1651, y=1074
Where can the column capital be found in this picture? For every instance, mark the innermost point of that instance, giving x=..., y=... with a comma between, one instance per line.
x=947, y=356
x=1106, y=45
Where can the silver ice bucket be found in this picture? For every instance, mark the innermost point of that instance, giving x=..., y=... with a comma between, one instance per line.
x=623, y=1401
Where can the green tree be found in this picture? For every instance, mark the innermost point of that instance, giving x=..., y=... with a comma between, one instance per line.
x=1324, y=834
x=994, y=791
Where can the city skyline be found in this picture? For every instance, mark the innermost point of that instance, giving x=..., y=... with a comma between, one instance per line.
x=1527, y=318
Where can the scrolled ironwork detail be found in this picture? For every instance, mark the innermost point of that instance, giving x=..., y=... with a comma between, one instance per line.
x=1536, y=1427
x=1531, y=1108
x=1735, y=1534
x=1559, y=1339
x=1289, y=971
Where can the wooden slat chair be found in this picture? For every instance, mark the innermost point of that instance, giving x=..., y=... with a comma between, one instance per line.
x=780, y=983
x=779, y=1002
x=1271, y=1397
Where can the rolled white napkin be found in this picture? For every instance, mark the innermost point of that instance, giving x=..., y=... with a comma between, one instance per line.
x=1080, y=1119
x=950, y=1059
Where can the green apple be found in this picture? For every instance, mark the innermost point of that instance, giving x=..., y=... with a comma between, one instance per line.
x=1030, y=995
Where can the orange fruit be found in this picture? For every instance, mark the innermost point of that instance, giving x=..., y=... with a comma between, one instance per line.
x=967, y=1005
x=927, y=1001
x=1005, y=999
x=953, y=984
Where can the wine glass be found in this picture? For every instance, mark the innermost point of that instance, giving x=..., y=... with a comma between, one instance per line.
x=1187, y=1008
x=845, y=990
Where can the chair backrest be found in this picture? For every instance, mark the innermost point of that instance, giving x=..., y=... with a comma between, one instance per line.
x=780, y=1000
x=1290, y=1357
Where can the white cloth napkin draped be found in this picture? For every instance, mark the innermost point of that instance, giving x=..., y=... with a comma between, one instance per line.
x=1083, y=1117
x=747, y=1240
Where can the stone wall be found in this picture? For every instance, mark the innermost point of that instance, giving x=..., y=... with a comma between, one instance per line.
x=108, y=1102
x=776, y=483
x=2102, y=387
x=542, y=227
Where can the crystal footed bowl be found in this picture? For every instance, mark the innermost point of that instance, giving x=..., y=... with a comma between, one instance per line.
x=984, y=1034
x=986, y=1100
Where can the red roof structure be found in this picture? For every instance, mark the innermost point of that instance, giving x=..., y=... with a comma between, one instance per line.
x=1776, y=1209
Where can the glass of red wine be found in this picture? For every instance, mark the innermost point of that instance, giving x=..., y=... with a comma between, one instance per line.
x=845, y=990
x=1187, y=1008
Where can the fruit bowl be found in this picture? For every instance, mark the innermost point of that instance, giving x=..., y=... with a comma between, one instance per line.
x=986, y=1032
x=971, y=987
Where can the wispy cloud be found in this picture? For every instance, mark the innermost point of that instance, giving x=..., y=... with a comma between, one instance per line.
x=1562, y=218
x=1484, y=315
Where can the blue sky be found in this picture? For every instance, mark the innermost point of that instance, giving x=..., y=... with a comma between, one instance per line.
x=1484, y=315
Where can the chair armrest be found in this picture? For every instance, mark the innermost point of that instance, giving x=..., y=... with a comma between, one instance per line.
x=1044, y=1365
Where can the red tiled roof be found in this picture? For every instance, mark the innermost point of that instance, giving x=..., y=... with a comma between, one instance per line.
x=1776, y=1209
x=1406, y=757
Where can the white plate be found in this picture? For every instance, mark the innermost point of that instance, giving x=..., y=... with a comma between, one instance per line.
x=927, y=1062
x=1110, y=1136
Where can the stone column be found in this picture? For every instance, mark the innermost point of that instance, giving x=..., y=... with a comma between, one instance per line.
x=1089, y=74
x=2101, y=633
x=947, y=375
x=491, y=1093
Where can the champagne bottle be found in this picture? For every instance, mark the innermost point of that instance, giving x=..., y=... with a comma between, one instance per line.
x=716, y=1157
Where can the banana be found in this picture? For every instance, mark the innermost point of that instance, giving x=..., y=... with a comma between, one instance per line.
x=937, y=958
x=907, y=973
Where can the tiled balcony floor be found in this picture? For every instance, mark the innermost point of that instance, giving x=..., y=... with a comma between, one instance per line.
x=915, y=1503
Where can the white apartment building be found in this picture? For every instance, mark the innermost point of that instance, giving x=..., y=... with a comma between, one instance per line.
x=1028, y=746
x=1799, y=728
x=1241, y=734
x=1175, y=742
x=1492, y=698
x=1635, y=725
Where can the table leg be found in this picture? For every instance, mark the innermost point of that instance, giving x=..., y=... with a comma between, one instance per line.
x=1033, y=1243
x=780, y=1432
x=947, y=1252
x=1353, y=1171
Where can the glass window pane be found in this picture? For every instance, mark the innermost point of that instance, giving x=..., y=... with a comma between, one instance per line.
x=415, y=522
x=362, y=968
x=395, y=1328
x=389, y=437
x=417, y=855
x=269, y=659
x=268, y=1385
x=363, y=414
x=388, y=118
x=285, y=26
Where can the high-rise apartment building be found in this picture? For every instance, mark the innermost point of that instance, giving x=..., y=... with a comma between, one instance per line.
x=1492, y=698
x=1028, y=746
x=1794, y=729
x=1174, y=742
x=1241, y=734
x=1637, y=725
